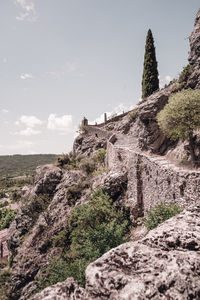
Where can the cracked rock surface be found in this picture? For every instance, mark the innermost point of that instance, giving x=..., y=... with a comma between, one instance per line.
x=163, y=265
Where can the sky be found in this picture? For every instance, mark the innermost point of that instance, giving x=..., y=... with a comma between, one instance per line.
x=61, y=60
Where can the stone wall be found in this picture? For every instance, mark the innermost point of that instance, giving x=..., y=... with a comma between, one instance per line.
x=152, y=180
x=4, y=253
x=94, y=130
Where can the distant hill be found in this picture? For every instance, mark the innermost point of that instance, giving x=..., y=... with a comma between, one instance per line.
x=19, y=165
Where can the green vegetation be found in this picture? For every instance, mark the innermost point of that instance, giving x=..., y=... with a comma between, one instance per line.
x=4, y=284
x=184, y=76
x=181, y=117
x=161, y=213
x=33, y=208
x=93, y=229
x=150, y=81
x=79, y=162
x=20, y=165
x=76, y=191
x=133, y=114
x=6, y=217
x=69, y=161
x=3, y=204
x=100, y=155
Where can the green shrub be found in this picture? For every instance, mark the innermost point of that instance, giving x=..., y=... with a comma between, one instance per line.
x=93, y=229
x=4, y=283
x=181, y=117
x=3, y=204
x=184, y=76
x=16, y=195
x=76, y=191
x=63, y=160
x=61, y=239
x=57, y=271
x=88, y=165
x=7, y=215
x=100, y=155
x=133, y=114
x=2, y=265
x=161, y=213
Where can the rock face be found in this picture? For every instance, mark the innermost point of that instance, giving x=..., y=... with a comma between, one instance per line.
x=194, y=56
x=47, y=177
x=68, y=289
x=163, y=265
x=30, y=239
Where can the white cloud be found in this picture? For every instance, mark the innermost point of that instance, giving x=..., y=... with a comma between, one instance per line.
x=63, y=124
x=119, y=109
x=4, y=60
x=68, y=67
x=4, y=111
x=28, y=132
x=26, y=76
x=164, y=80
x=29, y=121
x=28, y=10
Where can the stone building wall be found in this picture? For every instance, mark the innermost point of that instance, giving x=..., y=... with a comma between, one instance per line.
x=152, y=180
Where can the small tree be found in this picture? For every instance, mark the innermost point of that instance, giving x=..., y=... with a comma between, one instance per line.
x=181, y=117
x=150, y=81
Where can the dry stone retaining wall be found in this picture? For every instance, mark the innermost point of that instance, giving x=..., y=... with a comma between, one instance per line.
x=152, y=180
x=94, y=130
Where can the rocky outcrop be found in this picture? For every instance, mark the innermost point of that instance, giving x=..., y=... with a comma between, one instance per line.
x=88, y=143
x=47, y=177
x=145, y=128
x=194, y=56
x=30, y=235
x=163, y=265
x=68, y=289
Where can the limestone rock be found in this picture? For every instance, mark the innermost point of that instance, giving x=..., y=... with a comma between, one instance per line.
x=47, y=177
x=115, y=184
x=163, y=265
x=33, y=251
x=145, y=127
x=67, y=290
x=88, y=143
x=194, y=56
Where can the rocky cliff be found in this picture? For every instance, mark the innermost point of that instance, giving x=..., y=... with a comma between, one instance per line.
x=194, y=57
x=162, y=265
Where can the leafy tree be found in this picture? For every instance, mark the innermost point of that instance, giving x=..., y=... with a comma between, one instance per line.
x=181, y=117
x=150, y=81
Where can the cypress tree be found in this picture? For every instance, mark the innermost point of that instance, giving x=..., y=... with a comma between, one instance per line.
x=150, y=81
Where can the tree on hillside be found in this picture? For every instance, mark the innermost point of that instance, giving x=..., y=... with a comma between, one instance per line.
x=181, y=117
x=150, y=81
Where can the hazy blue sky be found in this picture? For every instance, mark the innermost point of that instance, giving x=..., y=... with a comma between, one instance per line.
x=61, y=60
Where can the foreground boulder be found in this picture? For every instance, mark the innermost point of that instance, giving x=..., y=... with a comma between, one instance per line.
x=68, y=289
x=163, y=265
